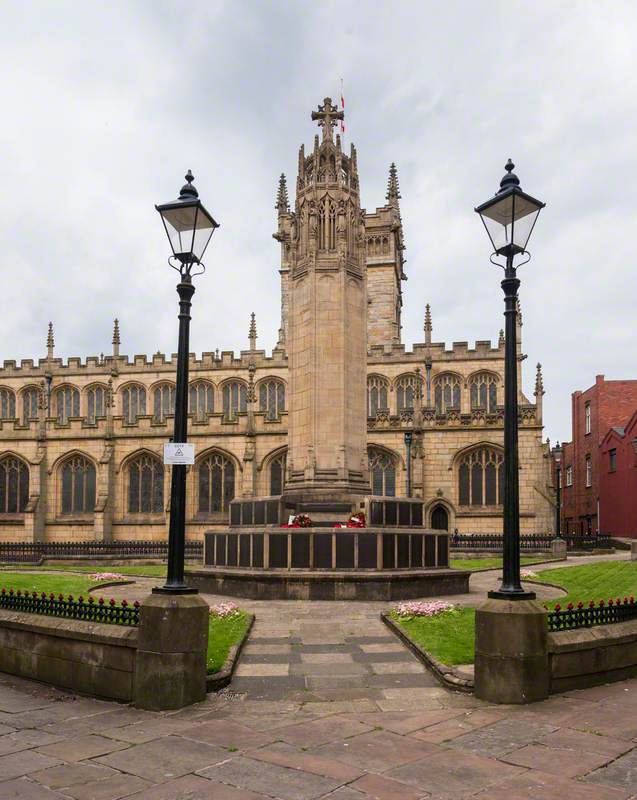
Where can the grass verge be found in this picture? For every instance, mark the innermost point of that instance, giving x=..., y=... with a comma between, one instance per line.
x=41, y=582
x=224, y=632
x=449, y=637
x=150, y=571
x=473, y=564
x=593, y=581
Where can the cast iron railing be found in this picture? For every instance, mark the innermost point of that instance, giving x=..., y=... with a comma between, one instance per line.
x=52, y=605
x=585, y=615
x=493, y=541
x=32, y=552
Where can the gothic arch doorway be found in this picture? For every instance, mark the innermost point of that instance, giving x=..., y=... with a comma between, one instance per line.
x=440, y=519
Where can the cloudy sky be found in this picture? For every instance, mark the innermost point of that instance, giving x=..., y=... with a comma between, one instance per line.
x=106, y=105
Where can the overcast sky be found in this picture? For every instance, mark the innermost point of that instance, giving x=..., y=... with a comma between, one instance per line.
x=106, y=105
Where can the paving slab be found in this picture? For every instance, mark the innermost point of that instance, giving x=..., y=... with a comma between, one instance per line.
x=81, y=748
x=381, y=788
x=66, y=775
x=287, y=756
x=621, y=774
x=502, y=737
x=24, y=789
x=377, y=751
x=112, y=788
x=24, y=762
x=534, y=785
x=228, y=734
x=321, y=731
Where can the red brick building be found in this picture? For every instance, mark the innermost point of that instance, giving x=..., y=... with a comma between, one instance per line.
x=618, y=480
x=606, y=405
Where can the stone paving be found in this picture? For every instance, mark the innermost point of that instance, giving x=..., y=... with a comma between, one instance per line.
x=325, y=704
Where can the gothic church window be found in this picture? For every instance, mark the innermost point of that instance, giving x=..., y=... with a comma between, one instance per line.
x=327, y=225
x=272, y=398
x=382, y=472
x=78, y=486
x=216, y=483
x=201, y=400
x=234, y=399
x=447, y=393
x=163, y=402
x=30, y=397
x=67, y=399
x=145, y=485
x=95, y=397
x=406, y=392
x=133, y=402
x=7, y=404
x=14, y=485
x=376, y=395
x=483, y=389
x=481, y=478
x=277, y=474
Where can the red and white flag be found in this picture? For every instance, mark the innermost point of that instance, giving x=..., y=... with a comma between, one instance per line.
x=342, y=108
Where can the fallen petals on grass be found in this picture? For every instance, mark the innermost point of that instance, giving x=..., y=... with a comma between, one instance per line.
x=421, y=608
x=107, y=576
x=224, y=610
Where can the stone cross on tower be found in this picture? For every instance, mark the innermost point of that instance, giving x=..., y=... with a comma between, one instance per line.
x=326, y=117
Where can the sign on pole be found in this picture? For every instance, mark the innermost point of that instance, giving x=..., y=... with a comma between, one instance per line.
x=179, y=453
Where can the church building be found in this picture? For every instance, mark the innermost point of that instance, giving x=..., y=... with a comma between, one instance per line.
x=81, y=441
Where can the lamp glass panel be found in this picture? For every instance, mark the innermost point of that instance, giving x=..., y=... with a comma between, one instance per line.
x=204, y=228
x=510, y=220
x=180, y=223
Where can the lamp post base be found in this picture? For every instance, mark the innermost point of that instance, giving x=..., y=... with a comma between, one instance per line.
x=174, y=590
x=499, y=594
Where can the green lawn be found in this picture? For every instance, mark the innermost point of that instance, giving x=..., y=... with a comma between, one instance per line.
x=593, y=581
x=33, y=582
x=449, y=637
x=223, y=633
x=151, y=570
x=473, y=564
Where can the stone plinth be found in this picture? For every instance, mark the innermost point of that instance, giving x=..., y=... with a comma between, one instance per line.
x=558, y=548
x=511, y=663
x=633, y=550
x=170, y=669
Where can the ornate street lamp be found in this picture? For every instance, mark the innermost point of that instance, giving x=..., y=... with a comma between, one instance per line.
x=557, y=457
x=408, y=441
x=509, y=218
x=189, y=228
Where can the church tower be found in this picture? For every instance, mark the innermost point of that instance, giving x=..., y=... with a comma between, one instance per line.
x=323, y=261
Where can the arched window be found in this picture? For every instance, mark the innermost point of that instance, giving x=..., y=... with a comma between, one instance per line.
x=481, y=478
x=327, y=225
x=234, y=399
x=67, y=403
x=216, y=483
x=406, y=392
x=7, y=404
x=145, y=485
x=95, y=403
x=272, y=398
x=78, y=486
x=483, y=389
x=133, y=402
x=201, y=401
x=14, y=485
x=277, y=474
x=447, y=393
x=163, y=402
x=376, y=395
x=30, y=399
x=382, y=471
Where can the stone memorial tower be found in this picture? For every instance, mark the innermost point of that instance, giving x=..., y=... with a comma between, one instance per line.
x=323, y=258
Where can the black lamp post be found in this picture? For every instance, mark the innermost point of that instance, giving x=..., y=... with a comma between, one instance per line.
x=189, y=228
x=557, y=457
x=509, y=218
x=408, y=441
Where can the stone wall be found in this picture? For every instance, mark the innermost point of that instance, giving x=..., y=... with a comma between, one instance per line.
x=85, y=657
x=592, y=656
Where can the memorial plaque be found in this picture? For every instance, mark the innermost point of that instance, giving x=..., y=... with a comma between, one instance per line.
x=367, y=550
x=416, y=550
x=209, y=550
x=244, y=550
x=416, y=513
x=233, y=546
x=389, y=555
x=235, y=513
x=272, y=512
x=345, y=550
x=390, y=513
x=443, y=551
x=403, y=550
x=376, y=512
x=278, y=550
x=404, y=517
x=430, y=550
x=247, y=517
x=257, y=550
x=322, y=550
x=221, y=549
x=259, y=512
x=301, y=550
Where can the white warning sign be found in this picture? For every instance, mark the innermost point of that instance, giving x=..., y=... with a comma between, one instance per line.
x=179, y=453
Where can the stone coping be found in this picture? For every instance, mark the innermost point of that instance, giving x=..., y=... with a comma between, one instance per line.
x=100, y=632
x=315, y=574
x=448, y=676
x=222, y=678
x=585, y=638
